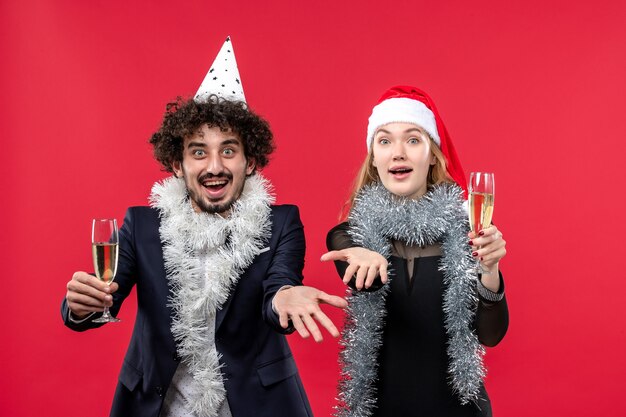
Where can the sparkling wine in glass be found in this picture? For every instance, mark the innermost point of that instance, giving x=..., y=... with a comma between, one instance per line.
x=104, y=248
x=481, y=198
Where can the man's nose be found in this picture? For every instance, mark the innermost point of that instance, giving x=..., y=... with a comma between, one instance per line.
x=214, y=165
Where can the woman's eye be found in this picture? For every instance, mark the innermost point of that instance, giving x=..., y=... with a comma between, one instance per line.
x=414, y=140
x=383, y=141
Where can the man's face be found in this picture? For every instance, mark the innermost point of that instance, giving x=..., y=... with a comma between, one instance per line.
x=214, y=167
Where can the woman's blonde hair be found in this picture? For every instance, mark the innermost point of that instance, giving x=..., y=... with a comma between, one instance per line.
x=368, y=173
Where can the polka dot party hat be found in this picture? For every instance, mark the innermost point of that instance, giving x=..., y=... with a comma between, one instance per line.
x=223, y=77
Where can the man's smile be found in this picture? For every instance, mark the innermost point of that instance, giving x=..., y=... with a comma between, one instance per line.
x=215, y=188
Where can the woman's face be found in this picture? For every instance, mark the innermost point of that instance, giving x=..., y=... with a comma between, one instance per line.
x=402, y=158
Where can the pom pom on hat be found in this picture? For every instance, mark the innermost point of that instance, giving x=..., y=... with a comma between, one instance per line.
x=407, y=104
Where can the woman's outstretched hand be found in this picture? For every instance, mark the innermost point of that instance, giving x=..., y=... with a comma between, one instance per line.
x=363, y=264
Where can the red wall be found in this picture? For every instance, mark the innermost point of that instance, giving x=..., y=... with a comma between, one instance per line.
x=532, y=90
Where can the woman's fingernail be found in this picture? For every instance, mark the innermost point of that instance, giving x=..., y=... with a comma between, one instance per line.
x=474, y=253
x=471, y=243
x=481, y=258
x=481, y=233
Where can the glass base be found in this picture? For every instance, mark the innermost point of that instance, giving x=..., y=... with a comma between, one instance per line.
x=106, y=318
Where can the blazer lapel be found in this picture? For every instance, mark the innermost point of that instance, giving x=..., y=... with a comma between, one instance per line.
x=221, y=313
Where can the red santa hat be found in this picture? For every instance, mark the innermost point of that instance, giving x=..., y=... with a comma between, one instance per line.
x=406, y=104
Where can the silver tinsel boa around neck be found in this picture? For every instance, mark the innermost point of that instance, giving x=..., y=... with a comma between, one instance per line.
x=204, y=256
x=378, y=217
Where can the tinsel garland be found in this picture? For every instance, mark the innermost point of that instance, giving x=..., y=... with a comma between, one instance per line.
x=377, y=218
x=204, y=256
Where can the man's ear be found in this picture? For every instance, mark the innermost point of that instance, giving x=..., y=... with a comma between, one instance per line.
x=177, y=168
x=250, y=165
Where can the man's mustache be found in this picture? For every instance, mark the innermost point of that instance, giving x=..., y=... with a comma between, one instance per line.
x=221, y=175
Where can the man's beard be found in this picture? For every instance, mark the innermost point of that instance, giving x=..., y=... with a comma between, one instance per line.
x=215, y=208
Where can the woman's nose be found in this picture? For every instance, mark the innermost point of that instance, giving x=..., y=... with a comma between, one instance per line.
x=398, y=152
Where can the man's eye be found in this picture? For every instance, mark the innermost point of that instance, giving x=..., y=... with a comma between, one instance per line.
x=228, y=152
x=198, y=152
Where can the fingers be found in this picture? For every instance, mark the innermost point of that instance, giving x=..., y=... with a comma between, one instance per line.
x=372, y=273
x=489, y=247
x=332, y=300
x=363, y=264
x=306, y=326
x=300, y=304
x=350, y=271
x=493, y=257
x=326, y=323
x=283, y=318
x=365, y=274
x=84, y=278
x=361, y=274
x=312, y=327
x=81, y=305
x=333, y=255
x=113, y=287
x=383, y=273
x=486, y=236
x=86, y=294
x=322, y=318
x=87, y=285
x=299, y=326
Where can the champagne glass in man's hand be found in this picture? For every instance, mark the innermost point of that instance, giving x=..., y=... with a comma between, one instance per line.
x=481, y=196
x=104, y=247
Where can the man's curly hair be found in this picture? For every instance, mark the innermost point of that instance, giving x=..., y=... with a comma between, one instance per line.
x=183, y=117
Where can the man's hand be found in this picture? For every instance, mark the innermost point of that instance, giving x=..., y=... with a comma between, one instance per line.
x=87, y=294
x=364, y=264
x=300, y=304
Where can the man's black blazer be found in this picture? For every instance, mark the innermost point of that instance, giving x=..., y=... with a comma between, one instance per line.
x=260, y=374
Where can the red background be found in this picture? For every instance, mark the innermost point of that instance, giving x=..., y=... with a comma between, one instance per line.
x=531, y=90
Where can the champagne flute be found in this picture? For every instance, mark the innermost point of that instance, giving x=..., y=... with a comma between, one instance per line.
x=481, y=198
x=104, y=248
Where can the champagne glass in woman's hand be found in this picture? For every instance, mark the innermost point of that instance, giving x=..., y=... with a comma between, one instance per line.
x=481, y=195
x=104, y=247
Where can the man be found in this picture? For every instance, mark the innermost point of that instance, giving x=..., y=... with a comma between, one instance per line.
x=218, y=271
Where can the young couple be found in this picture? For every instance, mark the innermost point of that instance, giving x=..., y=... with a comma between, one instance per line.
x=218, y=272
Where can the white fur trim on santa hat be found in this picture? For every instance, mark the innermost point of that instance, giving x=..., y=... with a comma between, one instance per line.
x=402, y=110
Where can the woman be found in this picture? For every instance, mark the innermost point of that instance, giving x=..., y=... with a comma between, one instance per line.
x=413, y=345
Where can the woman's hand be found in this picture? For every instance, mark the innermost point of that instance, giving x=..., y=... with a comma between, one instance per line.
x=365, y=264
x=488, y=247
